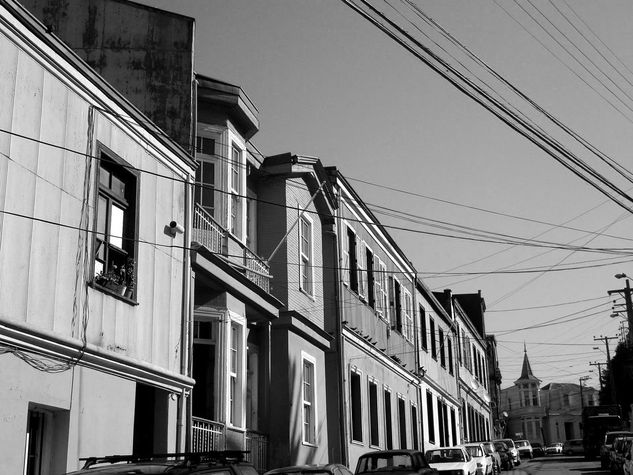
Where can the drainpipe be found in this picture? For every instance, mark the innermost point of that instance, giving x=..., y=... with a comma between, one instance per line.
x=184, y=400
x=342, y=406
x=416, y=345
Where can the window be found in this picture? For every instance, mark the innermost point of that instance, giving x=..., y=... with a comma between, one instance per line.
x=453, y=440
x=414, y=427
x=371, y=280
x=408, y=316
x=205, y=145
x=361, y=264
x=383, y=293
x=205, y=186
x=388, y=422
x=440, y=423
x=350, y=268
x=357, y=410
x=306, y=253
x=235, y=375
x=423, y=335
x=433, y=341
x=236, y=166
x=442, y=348
x=430, y=416
x=309, y=405
x=395, y=303
x=115, y=244
x=449, y=344
x=374, y=438
x=402, y=422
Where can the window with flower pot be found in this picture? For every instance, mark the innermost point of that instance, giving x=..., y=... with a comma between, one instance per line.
x=116, y=224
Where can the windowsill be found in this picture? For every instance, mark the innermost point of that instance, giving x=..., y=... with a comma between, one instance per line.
x=357, y=442
x=309, y=444
x=307, y=294
x=113, y=293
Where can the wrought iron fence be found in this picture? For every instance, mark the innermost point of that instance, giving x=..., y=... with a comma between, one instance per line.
x=207, y=231
x=256, y=444
x=207, y=435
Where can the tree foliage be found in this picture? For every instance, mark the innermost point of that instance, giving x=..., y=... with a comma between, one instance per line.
x=621, y=383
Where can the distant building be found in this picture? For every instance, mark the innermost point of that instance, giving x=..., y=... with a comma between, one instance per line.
x=547, y=414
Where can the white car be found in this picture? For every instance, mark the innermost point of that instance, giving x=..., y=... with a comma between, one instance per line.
x=455, y=460
x=483, y=460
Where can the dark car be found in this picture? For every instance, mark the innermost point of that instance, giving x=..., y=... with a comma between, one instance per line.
x=390, y=462
x=620, y=447
x=537, y=449
x=231, y=462
x=325, y=469
x=502, y=449
x=573, y=447
x=607, y=445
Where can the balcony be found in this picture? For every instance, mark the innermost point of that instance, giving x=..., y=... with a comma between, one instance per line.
x=210, y=435
x=210, y=234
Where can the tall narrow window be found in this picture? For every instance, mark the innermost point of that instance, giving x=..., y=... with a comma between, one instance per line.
x=371, y=283
x=396, y=304
x=407, y=315
x=384, y=290
x=453, y=440
x=414, y=427
x=433, y=341
x=442, y=348
x=306, y=252
x=440, y=423
x=205, y=174
x=402, y=422
x=357, y=410
x=235, y=189
x=449, y=346
x=430, y=416
x=423, y=330
x=309, y=406
x=374, y=438
x=352, y=262
x=115, y=245
x=388, y=421
x=361, y=263
x=235, y=382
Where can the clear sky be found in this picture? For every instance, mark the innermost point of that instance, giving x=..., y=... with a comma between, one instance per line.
x=329, y=84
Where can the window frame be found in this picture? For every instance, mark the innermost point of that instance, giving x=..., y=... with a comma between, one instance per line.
x=306, y=262
x=236, y=194
x=407, y=315
x=235, y=402
x=310, y=405
x=356, y=417
x=130, y=237
x=433, y=340
x=373, y=412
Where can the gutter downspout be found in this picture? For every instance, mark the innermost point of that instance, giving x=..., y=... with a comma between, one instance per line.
x=184, y=400
x=416, y=307
x=342, y=406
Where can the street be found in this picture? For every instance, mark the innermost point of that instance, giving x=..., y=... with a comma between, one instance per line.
x=559, y=465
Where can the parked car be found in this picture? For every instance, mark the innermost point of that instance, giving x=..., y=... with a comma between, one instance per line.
x=324, y=469
x=525, y=448
x=387, y=462
x=554, y=449
x=481, y=457
x=605, y=449
x=516, y=458
x=573, y=447
x=537, y=449
x=490, y=449
x=454, y=459
x=231, y=462
x=621, y=445
x=627, y=466
x=505, y=455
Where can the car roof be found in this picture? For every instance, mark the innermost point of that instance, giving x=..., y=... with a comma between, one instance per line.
x=306, y=468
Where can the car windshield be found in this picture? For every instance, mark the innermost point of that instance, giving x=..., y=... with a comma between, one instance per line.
x=501, y=446
x=372, y=463
x=474, y=451
x=521, y=443
x=610, y=437
x=445, y=456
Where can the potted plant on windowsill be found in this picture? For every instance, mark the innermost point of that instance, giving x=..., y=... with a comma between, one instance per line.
x=119, y=279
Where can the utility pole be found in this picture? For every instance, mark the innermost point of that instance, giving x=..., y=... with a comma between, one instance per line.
x=609, y=365
x=626, y=291
x=599, y=365
x=580, y=381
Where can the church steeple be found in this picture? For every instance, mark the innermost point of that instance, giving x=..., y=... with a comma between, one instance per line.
x=526, y=370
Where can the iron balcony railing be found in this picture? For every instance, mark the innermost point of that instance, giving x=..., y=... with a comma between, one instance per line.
x=210, y=234
x=209, y=435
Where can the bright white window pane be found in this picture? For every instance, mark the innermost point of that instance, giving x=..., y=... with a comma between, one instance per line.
x=116, y=226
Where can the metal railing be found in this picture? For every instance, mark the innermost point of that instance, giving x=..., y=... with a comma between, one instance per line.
x=260, y=269
x=210, y=234
x=207, y=231
x=207, y=435
x=256, y=444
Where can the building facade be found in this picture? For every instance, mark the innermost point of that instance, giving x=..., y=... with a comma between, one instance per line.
x=93, y=280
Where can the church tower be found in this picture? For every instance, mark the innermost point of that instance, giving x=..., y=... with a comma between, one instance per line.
x=528, y=385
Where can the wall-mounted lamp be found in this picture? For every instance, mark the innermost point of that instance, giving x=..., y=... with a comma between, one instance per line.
x=175, y=228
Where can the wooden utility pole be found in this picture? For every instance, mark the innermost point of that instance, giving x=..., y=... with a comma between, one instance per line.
x=599, y=365
x=609, y=365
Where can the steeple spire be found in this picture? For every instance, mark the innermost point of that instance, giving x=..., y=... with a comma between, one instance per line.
x=526, y=370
